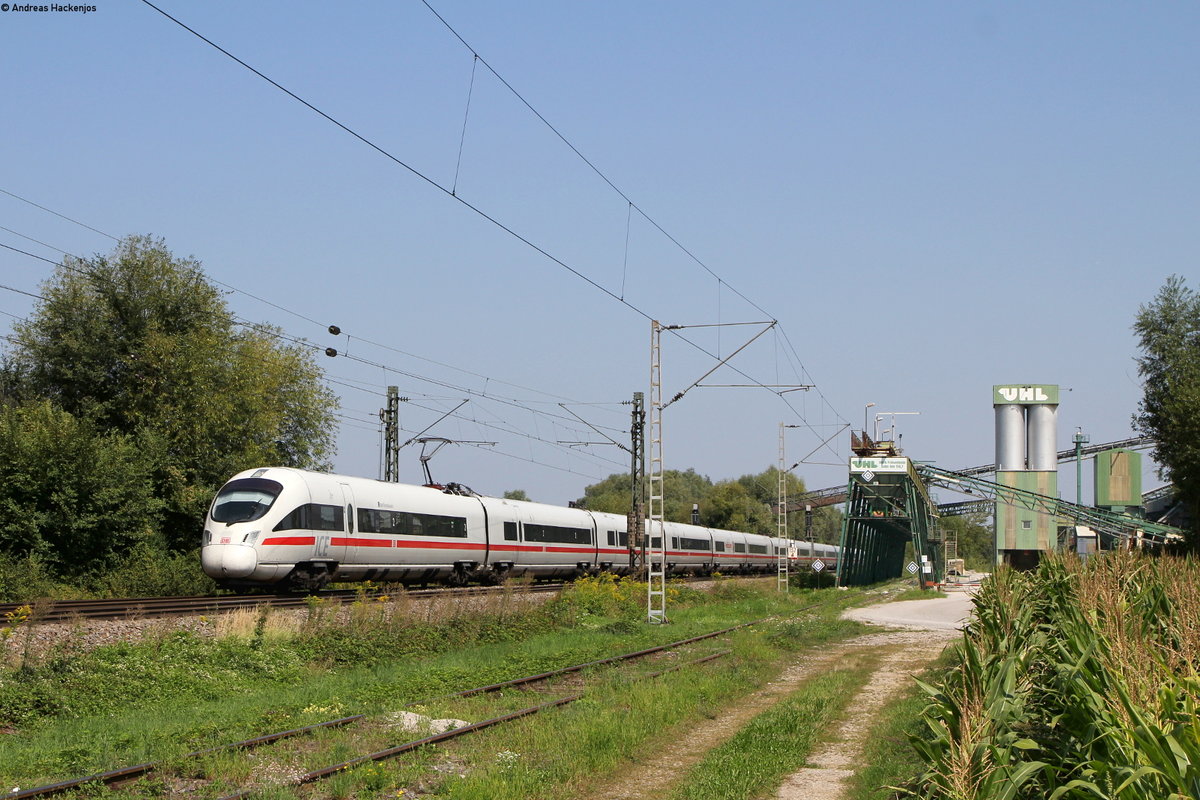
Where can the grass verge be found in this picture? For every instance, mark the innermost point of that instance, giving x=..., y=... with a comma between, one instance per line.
x=154, y=700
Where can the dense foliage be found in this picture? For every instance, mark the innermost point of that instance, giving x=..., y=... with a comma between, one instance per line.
x=976, y=542
x=1077, y=681
x=747, y=503
x=1168, y=331
x=128, y=396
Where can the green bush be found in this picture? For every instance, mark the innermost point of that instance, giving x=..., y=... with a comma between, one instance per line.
x=149, y=570
x=24, y=579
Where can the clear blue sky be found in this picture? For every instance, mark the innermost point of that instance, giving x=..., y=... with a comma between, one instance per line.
x=930, y=197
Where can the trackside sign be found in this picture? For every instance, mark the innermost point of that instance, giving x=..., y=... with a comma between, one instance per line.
x=879, y=465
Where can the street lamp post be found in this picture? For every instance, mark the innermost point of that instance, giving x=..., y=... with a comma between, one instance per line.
x=866, y=415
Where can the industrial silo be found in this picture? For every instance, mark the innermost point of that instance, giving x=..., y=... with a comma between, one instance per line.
x=1026, y=458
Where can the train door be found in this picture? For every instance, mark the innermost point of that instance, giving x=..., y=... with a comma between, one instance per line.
x=336, y=542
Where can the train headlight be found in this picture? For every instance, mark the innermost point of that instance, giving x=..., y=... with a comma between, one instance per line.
x=207, y=537
x=251, y=537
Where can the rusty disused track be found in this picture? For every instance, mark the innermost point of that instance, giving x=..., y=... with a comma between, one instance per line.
x=126, y=774
x=147, y=607
x=150, y=607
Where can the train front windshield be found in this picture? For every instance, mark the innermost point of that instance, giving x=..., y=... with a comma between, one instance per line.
x=245, y=499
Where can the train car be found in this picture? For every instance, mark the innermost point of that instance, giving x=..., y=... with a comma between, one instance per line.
x=302, y=530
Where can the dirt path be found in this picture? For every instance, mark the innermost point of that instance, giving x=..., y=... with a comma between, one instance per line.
x=904, y=652
x=907, y=652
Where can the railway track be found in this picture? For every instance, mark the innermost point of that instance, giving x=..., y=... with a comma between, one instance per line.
x=149, y=607
x=126, y=776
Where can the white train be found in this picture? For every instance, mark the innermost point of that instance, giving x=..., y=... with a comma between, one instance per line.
x=304, y=529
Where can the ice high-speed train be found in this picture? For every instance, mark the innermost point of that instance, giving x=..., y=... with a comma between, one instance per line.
x=302, y=530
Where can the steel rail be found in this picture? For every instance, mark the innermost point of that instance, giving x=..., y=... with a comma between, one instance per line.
x=380, y=755
x=542, y=676
x=138, y=770
x=147, y=607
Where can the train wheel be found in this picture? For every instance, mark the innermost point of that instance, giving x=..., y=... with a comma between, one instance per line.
x=458, y=577
x=308, y=578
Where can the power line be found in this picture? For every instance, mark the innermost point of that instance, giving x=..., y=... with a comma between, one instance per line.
x=449, y=192
x=349, y=421
x=62, y=216
x=21, y=291
x=554, y=398
x=233, y=319
x=631, y=204
x=588, y=161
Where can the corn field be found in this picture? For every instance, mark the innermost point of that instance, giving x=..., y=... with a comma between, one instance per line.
x=1075, y=681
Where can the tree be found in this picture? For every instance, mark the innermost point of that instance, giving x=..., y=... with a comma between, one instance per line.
x=75, y=497
x=747, y=503
x=1168, y=331
x=140, y=343
x=976, y=541
x=680, y=490
x=516, y=494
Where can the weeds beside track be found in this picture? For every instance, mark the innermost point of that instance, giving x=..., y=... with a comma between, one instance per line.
x=587, y=622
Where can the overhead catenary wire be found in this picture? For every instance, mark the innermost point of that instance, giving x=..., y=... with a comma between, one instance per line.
x=631, y=205
x=233, y=319
x=270, y=329
x=552, y=397
x=449, y=193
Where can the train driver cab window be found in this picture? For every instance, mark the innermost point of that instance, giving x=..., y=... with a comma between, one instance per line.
x=245, y=499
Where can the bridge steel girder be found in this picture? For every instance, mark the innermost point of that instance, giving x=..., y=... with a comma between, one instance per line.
x=1109, y=526
x=883, y=515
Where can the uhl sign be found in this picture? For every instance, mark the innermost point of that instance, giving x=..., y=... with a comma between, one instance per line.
x=1023, y=394
x=1026, y=394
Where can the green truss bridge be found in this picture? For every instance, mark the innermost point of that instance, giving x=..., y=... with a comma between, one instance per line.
x=888, y=508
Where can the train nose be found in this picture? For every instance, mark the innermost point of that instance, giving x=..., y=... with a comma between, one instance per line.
x=228, y=560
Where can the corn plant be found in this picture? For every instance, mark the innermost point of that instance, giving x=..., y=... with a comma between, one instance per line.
x=1077, y=681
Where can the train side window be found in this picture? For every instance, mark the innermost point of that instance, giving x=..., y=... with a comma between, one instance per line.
x=327, y=518
x=350, y=517
x=313, y=517
x=720, y=547
x=510, y=531
x=557, y=534
x=296, y=520
x=656, y=541
x=738, y=547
